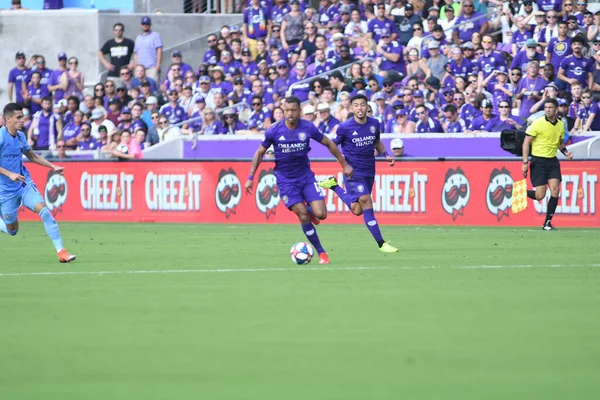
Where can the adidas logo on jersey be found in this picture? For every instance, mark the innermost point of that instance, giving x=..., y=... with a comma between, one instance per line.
x=282, y=137
x=354, y=133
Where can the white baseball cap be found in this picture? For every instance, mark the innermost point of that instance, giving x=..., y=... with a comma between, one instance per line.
x=397, y=144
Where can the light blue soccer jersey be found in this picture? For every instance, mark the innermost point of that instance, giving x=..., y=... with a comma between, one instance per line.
x=11, y=159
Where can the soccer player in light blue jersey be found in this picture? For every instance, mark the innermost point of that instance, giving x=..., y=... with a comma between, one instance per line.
x=298, y=188
x=359, y=138
x=16, y=186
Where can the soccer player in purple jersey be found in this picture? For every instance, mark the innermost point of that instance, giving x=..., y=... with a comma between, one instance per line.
x=299, y=190
x=359, y=138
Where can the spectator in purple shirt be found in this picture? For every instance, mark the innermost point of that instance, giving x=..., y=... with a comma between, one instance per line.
x=504, y=120
x=284, y=81
x=257, y=25
x=44, y=72
x=477, y=23
x=229, y=124
x=489, y=61
x=87, y=141
x=53, y=4
x=390, y=52
x=328, y=123
x=148, y=49
x=520, y=36
x=34, y=93
x=530, y=88
x=210, y=54
x=16, y=77
x=177, y=58
x=559, y=47
x=172, y=110
x=452, y=122
x=576, y=67
x=380, y=23
x=528, y=54
x=425, y=123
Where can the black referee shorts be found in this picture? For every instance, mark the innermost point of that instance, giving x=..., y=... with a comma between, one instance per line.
x=542, y=169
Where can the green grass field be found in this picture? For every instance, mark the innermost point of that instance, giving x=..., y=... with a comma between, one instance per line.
x=220, y=312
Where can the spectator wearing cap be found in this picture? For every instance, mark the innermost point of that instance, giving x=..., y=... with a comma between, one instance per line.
x=283, y=81
x=406, y=24
x=397, y=147
x=58, y=81
x=573, y=25
x=425, y=123
x=576, y=67
x=98, y=118
x=419, y=100
x=452, y=123
x=390, y=53
x=16, y=77
x=504, y=119
x=196, y=116
x=402, y=123
x=120, y=51
x=465, y=30
x=437, y=60
x=219, y=84
x=239, y=94
x=40, y=67
x=177, y=59
x=172, y=110
x=581, y=10
x=256, y=26
x=122, y=96
x=227, y=63
x=458, y=65
x=382, y=110
x=326, y=122
x=437, y=37
x=248, y=67
x=230, y=124
x=204, y=90
x=148, y=50
x=309, y=113
x=301, y=87
x=114, y=111
x=480, y=122
x=528, y=54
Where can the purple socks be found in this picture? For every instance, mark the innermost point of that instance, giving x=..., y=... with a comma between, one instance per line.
x=311, y=234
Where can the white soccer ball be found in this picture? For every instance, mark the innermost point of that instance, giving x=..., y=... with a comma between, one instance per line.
x=123, y=148
x=302, y=253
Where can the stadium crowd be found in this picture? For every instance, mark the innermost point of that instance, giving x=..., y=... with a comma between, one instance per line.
x=435, y=66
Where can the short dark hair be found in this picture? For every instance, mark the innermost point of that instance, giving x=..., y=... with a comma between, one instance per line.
x=11, y=108
x=256, y=97
x=46, y=98
x=328, y=89
x=578, y=39
x=562, y=22
x=73, y=98
x=551, y=101
x=421, y=106
x=359, y=96
x=451, y=108
x=36, y=72
x=292, y=100
x=119, y=24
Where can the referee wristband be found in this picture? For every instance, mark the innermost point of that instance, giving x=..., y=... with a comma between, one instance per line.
x=564, y=150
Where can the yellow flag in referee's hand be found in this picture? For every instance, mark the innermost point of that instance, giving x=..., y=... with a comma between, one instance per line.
x=519, y=197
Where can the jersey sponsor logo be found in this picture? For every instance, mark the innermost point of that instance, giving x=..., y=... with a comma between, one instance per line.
x=498, y=197
x=55, y=192
x=267, y=193
x=228, y=193
x=111, y=192
x=455, y=193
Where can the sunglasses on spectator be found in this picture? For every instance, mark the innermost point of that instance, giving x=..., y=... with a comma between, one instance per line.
x=154, y=116
x=229, y=117
x=472, y=80
x=125, y=73
x=459, y=99
x=99, y=89
x=586, y=97
x=417, y=29
x=516, y=73
x=317, y=86
x=502, y=106
x=257, y=104
x=486, y=41
x=276, y=30
x=85, y=129
x=479, y=53
x=72, y=62
x=109, y=85
x=163, y=122
x=468, y=5
x=61, y=146
x=40, y=62
x=421, y=113
x=212, y=40
x=596, y=43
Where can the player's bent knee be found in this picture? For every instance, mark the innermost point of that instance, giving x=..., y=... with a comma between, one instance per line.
x=357, y=209
x=321, y=214
x=540, y=197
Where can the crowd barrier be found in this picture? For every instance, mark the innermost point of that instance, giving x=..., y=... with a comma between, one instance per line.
x=467, y=193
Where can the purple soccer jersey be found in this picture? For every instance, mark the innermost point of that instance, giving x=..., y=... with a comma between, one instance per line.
x=394, y=48
x=71, y=131
x=175, y=114
x=431, y=126
x=55, y=80
x=577, y=68
x=547, y=5
x=277, y=13
x=91, y=144
x=465, y=30
x=530, y=85
x=559, y=49
x=487, y=64
x=260, y=117
x=464, y=69
x=377, y=26
x=358, y=145
x=295, y=179
x=37, y=93
x=456, y=127
x=45, y=130
x=16, y=76
x=250, y=69
x=522, y=61
x=327, y=127
x=584, y=113
x=519, y=38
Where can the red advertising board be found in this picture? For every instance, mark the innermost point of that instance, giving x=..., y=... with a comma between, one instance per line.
x=409, y=193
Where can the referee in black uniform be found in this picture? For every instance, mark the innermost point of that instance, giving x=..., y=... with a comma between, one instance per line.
x=545, y=136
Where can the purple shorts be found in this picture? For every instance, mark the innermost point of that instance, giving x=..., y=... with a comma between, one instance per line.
x=358, y=187
x=303, y=190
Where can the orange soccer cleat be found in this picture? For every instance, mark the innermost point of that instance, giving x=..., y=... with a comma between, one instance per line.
x=324, y=258
x=314, y=220
x=65, y=257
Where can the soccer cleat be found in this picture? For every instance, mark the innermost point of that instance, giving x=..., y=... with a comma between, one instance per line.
x=314, y=220
x=387, y=248
x=328, y=183
x=65, y=257
x=324, y=258
x=549, y=227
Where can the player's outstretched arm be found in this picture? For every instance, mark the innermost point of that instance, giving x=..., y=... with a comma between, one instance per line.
x=36, y=159
x=348, y=171
x=381, y=150
x=256, y=160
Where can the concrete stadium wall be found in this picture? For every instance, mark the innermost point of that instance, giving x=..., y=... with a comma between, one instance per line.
x=80, y=33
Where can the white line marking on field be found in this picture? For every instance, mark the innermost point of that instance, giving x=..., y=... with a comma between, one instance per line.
x=291, y=269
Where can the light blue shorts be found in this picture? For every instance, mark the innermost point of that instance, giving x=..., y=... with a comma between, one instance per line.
x=29, y=196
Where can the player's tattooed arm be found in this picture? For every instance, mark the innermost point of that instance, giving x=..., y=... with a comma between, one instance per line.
x=37, y=159
x=381, y=150
x=256, y=160
x=348, y=170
